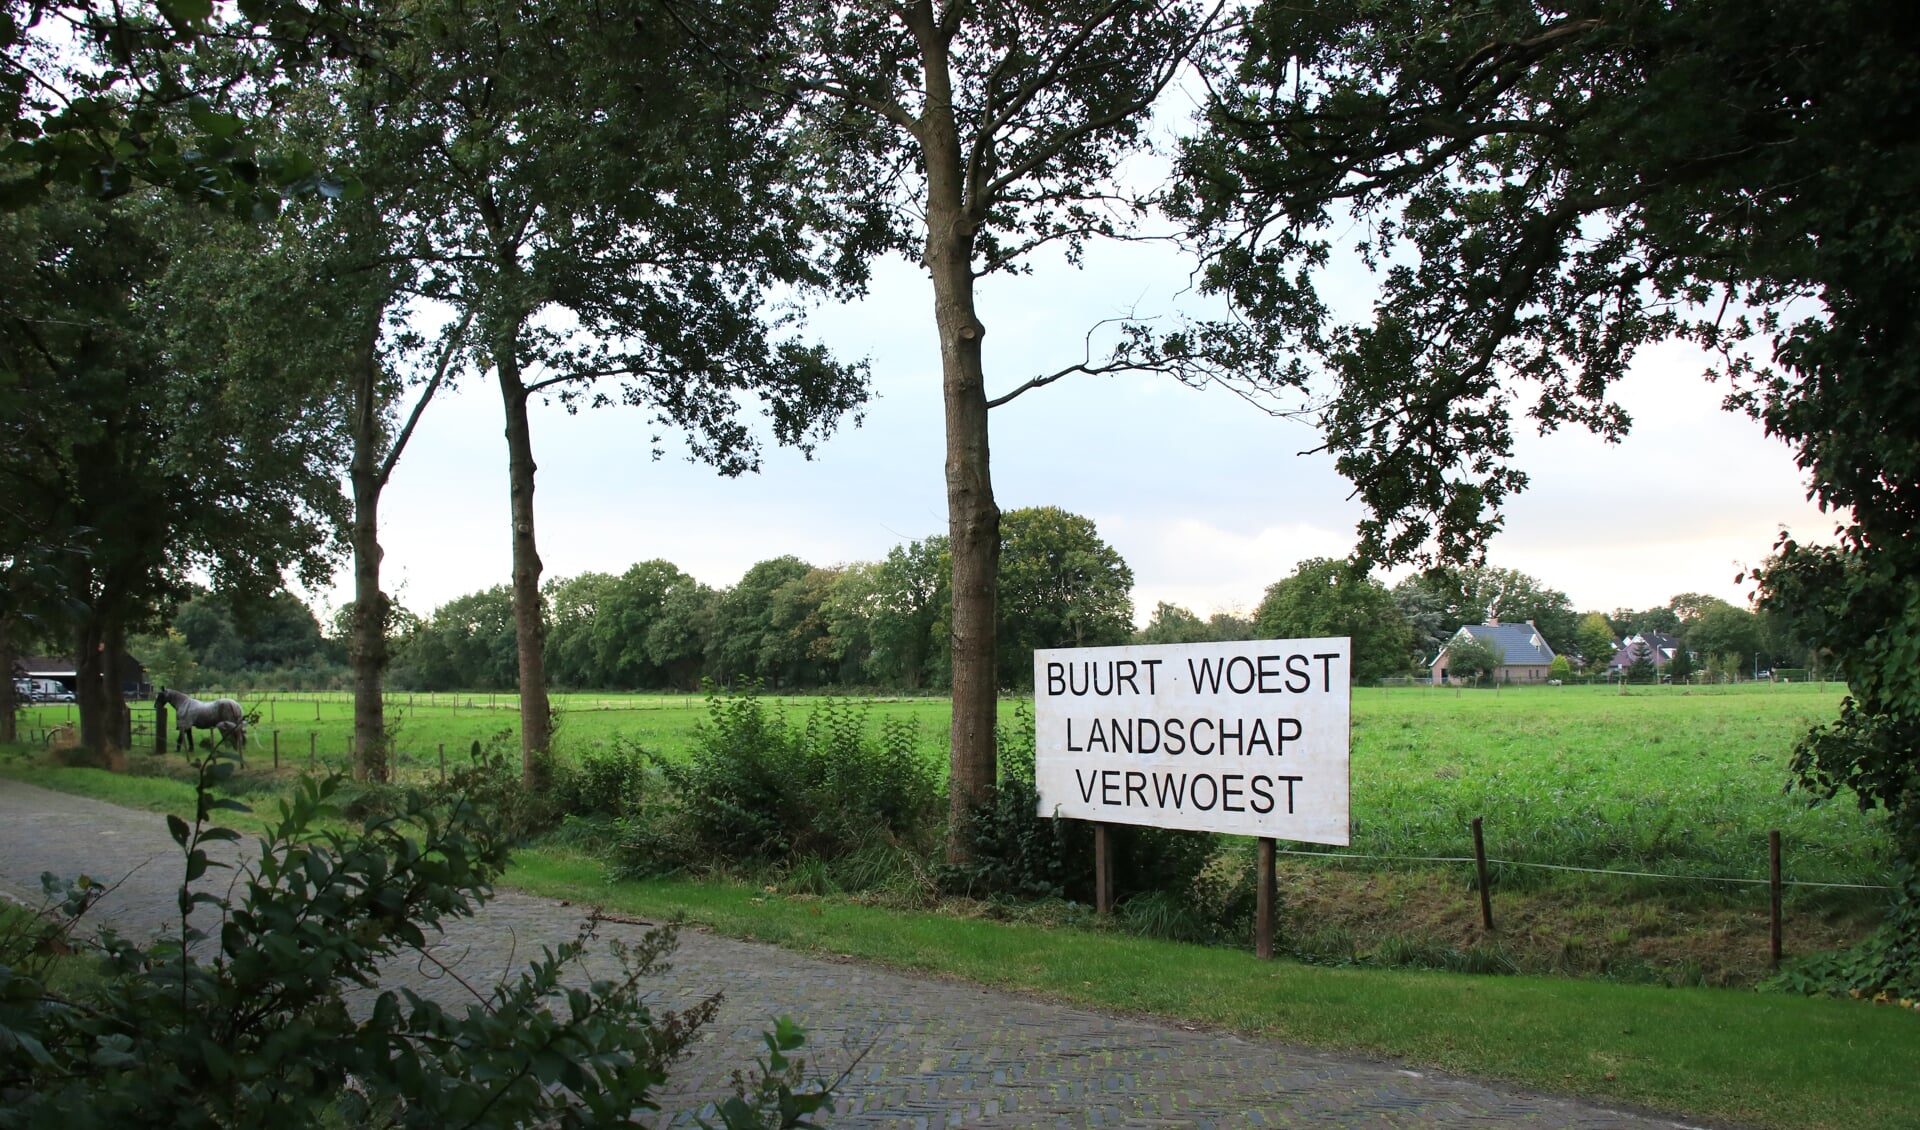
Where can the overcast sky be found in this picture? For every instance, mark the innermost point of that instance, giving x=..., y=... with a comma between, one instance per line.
x=1207, y=499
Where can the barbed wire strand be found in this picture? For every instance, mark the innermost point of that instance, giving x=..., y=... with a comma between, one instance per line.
x=1582, y=870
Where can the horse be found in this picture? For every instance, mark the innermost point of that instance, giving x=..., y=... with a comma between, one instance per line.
x=222, y=715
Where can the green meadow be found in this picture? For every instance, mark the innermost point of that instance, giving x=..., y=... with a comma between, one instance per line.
x=1682, y=781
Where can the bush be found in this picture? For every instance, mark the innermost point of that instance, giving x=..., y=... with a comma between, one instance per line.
x=611, y=782
x=1886, y=966
x=1018, y=854
x=758, y=789
x=242, y=1024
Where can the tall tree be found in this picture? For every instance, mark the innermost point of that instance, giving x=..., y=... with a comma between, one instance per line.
x=1556, y=186
x=611, y=210
x=1476, y=594
x=1061, y=585
x=1593, y=641
x=1003, y=127
x=1331, y=598
x=168, y=445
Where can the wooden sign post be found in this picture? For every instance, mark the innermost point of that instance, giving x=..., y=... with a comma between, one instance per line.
x=1246, y=738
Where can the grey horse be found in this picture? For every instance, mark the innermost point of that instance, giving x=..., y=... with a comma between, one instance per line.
x=222, y=715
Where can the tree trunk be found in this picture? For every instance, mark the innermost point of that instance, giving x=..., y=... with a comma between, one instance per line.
x=367, y=643
x=97, y=699
x=530, y=631
x=973, y=520
x=9, y=704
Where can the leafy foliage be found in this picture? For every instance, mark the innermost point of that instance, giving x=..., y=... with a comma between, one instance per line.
x=1019, y=853
x=759, y=789
x=1885, y=966
x=241, y=1021
x=1061, y=585
x=1547, y=189
x=1472, y=658
x=1324, y=597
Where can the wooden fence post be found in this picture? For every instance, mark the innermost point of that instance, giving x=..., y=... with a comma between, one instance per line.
x=443, y=763
x=276, y=749
x=1102, y=871
x=1263, y=902
x=1773, y=883
x=313, y=751
x=1480, y=865
x=159, y=728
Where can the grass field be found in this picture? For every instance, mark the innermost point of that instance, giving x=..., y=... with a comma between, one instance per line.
x=1679, y=781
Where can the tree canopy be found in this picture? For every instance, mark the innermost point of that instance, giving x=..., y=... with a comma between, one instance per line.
x=1546, y=189
x=1324, y=597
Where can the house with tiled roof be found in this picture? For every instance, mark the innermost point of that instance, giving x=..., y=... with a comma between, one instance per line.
x=1661, y=648
x=1524, y=653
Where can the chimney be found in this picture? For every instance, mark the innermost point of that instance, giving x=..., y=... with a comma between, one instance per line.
x=1493, y=621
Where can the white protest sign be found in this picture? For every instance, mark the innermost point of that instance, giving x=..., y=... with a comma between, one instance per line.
x=1248, y=738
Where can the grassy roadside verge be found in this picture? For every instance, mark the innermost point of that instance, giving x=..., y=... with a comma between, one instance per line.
x=1714, y=1055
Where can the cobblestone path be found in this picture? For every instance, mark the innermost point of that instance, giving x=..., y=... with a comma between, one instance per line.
x=936, y=1053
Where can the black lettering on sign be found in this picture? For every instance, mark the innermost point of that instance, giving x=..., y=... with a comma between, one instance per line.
x=1291, y=781
x=1056, y=677
x=1262, y=799
x=1071, y=748
x=1298, y=678
x=1234, y=735
x=1241, y=665
x=1086, y=785
x=1326, y=659
x=1229, y=793
x=1109, y=786
x=1270, y=674
x=1193, y=736
x=1281, y=726
x=1168, y=784
x=1136, y=786
x=1176, y=736
x=1213, y=791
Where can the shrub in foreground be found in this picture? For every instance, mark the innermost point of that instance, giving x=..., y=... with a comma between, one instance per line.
x=239, y=1019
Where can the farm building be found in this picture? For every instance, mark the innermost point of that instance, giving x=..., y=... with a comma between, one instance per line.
x=46, y=670
x=1525, y=655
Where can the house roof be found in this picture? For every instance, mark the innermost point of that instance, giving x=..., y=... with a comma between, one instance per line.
x=43, y=667
x=1520, y=645
x=1661, y=648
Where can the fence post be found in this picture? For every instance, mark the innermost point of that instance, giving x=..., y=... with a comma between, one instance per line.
x=276, y=749
x=1480, y=864
x=443, y=763
x=1773, y=882
x=1263, y=903
x=1102, y=871
x=313, y=751
x=159, y=728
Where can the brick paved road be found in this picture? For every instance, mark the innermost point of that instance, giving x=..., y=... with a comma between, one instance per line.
x=938, y=1053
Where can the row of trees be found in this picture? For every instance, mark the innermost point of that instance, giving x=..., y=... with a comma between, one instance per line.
x=603, y=203
x=882, y=623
